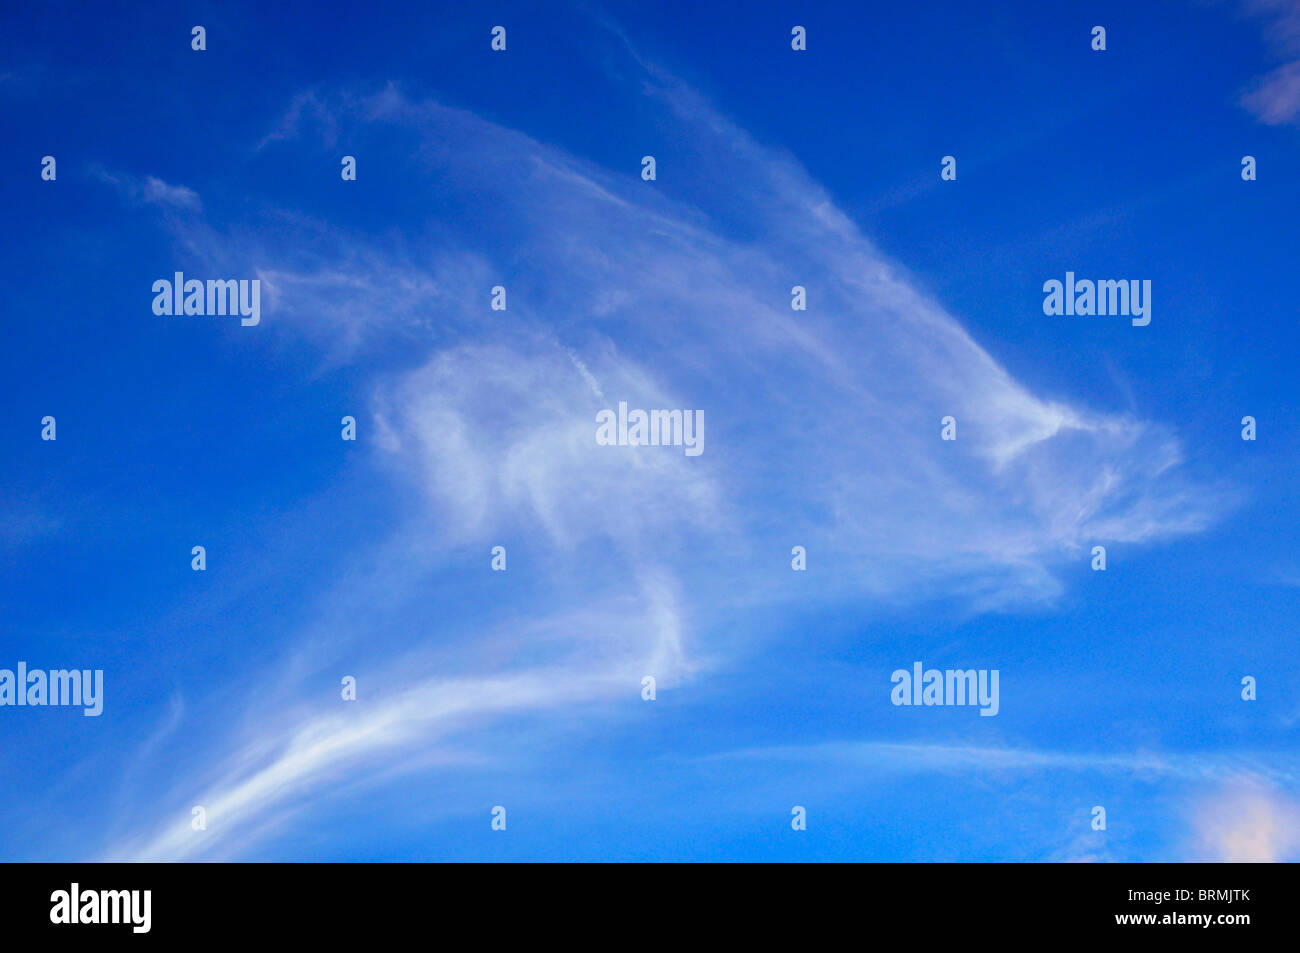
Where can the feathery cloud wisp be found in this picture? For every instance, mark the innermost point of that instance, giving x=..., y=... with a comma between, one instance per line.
x=823, y=425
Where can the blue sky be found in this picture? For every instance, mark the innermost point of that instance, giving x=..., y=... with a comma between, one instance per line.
x=475, y=428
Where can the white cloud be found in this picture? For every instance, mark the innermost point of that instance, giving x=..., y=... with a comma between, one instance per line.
x=158, y=192
x=1208, y=768
x=504, y=437
x=284, y=761
x=1249, y=824
x=822, y=426
x=151, y=190
x=829, y=417
x=1253, y=816
x=307, y=106
x=1274, y=99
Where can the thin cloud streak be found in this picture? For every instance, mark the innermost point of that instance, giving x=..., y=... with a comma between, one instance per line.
x=1213, y=768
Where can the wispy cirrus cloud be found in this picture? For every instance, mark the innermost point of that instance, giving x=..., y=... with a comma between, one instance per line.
x=150, y=190
x=1236, y=806
x=307, y=108
x=1274, y=99
x=277, y=765
x=829, y=416
x=1220, y=768
x=822, y=426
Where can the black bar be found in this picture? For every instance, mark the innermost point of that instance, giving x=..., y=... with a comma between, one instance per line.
x=334, y=902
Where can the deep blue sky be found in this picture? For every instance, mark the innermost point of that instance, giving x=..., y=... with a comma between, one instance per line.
x=522, y=688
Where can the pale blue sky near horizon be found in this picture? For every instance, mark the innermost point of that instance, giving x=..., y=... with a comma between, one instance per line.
x=476, y=428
